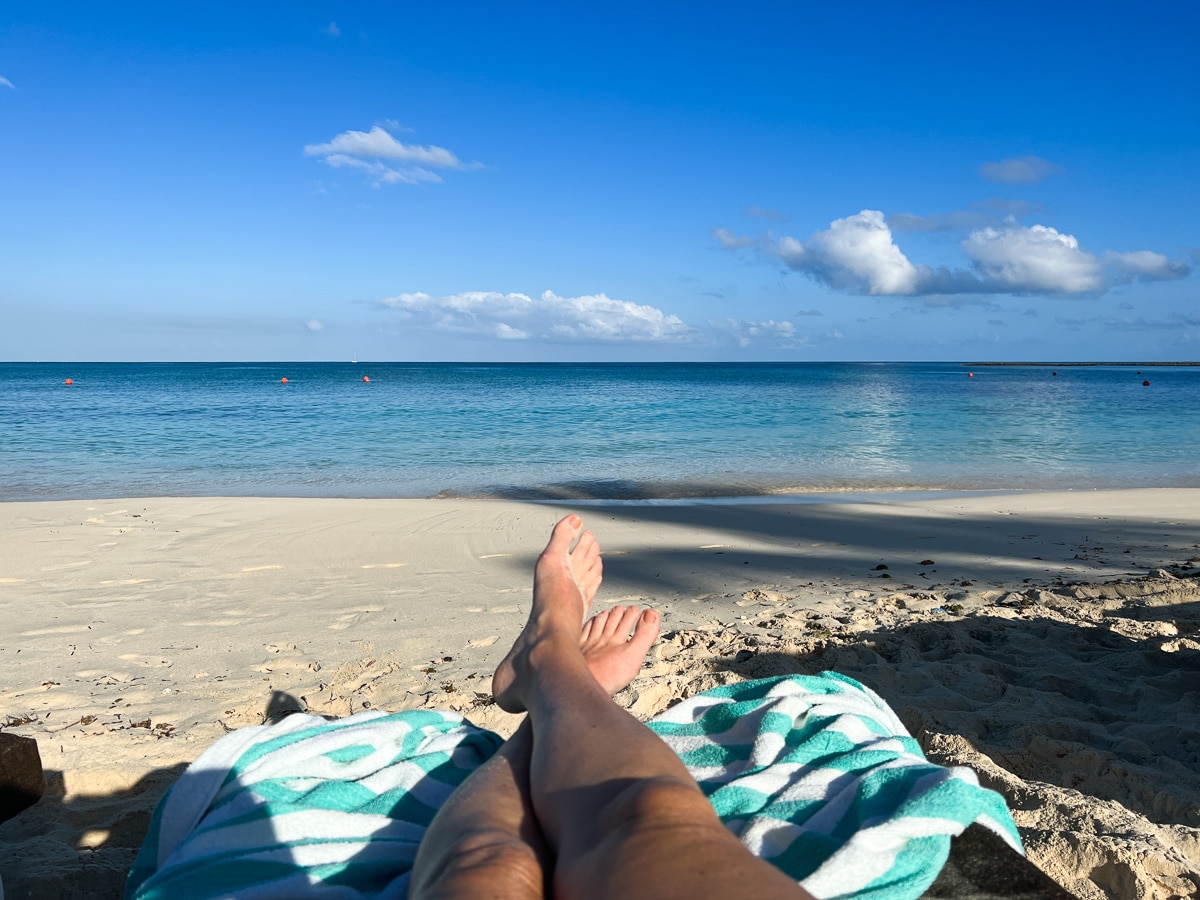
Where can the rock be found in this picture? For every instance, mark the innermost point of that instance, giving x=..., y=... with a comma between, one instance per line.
x=21, y=780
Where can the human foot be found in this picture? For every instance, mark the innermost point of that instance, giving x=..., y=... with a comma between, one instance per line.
x=615, y=642
x=565, y=582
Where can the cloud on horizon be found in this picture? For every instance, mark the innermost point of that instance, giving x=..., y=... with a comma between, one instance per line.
x=858, y=254
x=1018, y=170
x=383, y=158
x=549, y=317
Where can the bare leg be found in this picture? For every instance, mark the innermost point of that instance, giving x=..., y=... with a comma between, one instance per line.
x=617, y=807
x=485, y=840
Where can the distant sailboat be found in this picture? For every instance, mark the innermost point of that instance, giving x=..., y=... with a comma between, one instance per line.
x=354, y=359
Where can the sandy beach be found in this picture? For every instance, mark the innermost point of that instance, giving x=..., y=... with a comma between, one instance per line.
x=1049, y=640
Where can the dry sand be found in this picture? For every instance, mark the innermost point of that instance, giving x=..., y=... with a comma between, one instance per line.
x=1051, y=641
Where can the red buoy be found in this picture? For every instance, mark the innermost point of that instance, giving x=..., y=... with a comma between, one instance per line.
x=970, y=374
x=365, y=378
x=1145, y=384
x=283, y=380
x=69, y=381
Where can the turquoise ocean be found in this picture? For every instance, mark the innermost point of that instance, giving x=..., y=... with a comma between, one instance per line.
x=588, y=431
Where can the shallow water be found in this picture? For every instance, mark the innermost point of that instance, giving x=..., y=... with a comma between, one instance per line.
x=584, y=430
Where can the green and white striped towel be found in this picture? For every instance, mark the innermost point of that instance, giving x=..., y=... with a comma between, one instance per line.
x=813, y=773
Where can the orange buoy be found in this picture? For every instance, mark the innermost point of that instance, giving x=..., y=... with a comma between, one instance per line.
x=283, y=380
x=366, y=378
x=69, y=381
x=970, y=374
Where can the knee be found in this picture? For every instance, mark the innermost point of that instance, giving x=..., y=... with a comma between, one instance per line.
x=660, y=802
x=482, y=862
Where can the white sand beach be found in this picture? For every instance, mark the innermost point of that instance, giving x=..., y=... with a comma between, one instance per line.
x=1049, y=640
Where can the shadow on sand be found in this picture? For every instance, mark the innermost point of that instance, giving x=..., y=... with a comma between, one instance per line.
x=83, y=846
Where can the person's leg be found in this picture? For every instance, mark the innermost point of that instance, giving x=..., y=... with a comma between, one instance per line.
x=485, y=840
x=617, y=807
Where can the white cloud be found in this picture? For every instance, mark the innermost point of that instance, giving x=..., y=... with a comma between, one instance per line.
x=314, y=325
x=1018, y=170
x=368, y=151
x=332, y=30
x=858, y=254
x=855, y=253
x=1037, y=260
x=731, y=241
x=594, y=317
x=1145, y=265
x=4, y=82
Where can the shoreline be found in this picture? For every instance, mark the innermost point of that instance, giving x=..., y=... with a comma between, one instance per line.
x=1045, y=638
x=606, y=492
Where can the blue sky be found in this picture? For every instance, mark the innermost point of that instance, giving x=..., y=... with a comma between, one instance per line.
x=312, y=181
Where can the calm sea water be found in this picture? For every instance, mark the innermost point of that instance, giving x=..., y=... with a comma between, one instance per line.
x=601, y=431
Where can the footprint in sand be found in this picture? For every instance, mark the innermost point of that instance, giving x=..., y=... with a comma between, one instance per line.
x=483, y=642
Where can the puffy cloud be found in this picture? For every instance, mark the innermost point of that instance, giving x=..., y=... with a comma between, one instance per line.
x=314, y=325
x=731, y=241
x=855, y=253
x=332, y=30
x=858, y=254
x=1037, y=260
x=595, y=317
x=377, y=153
x=1018, y=170
x=1145, y=265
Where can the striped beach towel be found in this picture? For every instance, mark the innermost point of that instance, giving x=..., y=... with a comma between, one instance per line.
x=813, y=773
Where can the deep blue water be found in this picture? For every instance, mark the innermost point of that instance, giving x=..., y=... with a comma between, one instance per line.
x=586, y=430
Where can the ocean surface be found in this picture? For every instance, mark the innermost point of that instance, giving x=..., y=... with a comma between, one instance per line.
x=620, y=431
